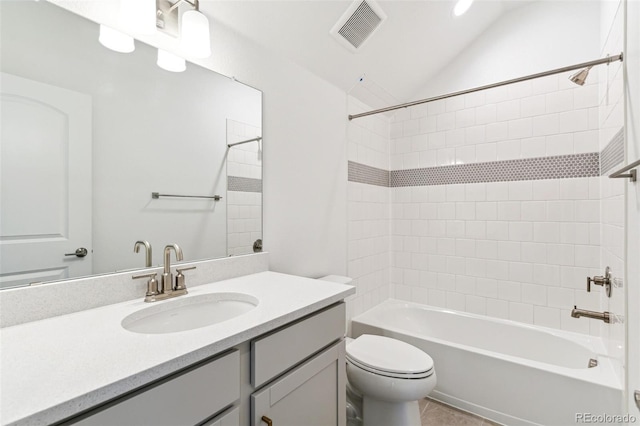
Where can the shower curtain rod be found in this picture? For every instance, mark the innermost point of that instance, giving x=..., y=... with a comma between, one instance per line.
x=606, y=60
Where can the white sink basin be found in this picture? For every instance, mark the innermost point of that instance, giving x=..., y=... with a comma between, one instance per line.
x=189, y=312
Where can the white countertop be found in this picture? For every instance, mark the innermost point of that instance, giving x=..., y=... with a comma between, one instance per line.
x=56, y=367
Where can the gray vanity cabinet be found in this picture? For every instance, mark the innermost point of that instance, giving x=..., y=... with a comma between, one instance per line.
x=294, y=375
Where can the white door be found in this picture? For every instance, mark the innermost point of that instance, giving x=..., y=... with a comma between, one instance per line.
x=45, y=182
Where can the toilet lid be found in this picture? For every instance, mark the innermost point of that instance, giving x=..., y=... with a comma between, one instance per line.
x=384, y=354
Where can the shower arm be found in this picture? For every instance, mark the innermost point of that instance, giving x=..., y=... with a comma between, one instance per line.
x=606, y=60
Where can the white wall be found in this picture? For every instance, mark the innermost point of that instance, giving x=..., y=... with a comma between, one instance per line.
x=305, y=167
x=532, y=38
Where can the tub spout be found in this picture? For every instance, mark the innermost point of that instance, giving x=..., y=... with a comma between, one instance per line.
x=577, y=313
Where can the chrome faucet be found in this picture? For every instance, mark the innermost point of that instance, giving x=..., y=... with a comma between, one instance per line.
x=147, y=249
x=167, y=276
x=577, y=313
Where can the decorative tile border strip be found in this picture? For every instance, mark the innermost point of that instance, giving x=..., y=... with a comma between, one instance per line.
x=613, y=153
x=243, y=184
x=556, y=167
x=366, y=174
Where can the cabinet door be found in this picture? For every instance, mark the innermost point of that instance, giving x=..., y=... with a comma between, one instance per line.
x=313, y=394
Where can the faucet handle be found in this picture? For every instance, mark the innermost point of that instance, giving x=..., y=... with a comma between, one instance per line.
x=180, y=285
x=604, y=280
x=152, y=285
x=137, y=277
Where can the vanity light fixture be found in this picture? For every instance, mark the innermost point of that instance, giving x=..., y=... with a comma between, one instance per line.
x=139, y=16
x=170, y=62
x=194, y=27
x=116, y=40
x=461, y=7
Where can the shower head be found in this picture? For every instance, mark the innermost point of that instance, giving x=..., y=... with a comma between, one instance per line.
x=580, y=77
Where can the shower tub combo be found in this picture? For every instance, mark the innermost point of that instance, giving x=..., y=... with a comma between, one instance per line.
x=505, y=371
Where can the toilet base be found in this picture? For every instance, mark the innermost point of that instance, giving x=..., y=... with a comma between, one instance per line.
x=384, y=413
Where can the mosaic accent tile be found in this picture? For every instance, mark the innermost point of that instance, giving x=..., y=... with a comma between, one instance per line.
x=613, y=153
x=366, y=174
x=243, y=184
x=556, y=167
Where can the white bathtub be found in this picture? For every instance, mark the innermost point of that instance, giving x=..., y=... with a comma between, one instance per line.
x=505, y=371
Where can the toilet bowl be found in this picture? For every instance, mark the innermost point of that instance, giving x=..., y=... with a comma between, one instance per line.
x=391, y=376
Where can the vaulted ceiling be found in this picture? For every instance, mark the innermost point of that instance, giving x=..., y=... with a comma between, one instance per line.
x=417, y=39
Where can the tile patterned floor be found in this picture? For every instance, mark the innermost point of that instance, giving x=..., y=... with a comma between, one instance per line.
x=434, y=413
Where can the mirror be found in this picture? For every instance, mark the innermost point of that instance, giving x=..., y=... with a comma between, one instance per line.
x=88, y=134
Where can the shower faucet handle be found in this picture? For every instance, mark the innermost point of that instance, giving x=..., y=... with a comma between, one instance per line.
x=602, y=280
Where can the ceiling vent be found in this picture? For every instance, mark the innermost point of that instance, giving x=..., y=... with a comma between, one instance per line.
x=358, y=23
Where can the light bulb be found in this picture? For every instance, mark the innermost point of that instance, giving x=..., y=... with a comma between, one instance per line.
x=115, y=40
x=170, y=62
x=194, y=34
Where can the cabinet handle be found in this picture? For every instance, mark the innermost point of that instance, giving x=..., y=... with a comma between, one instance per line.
x=267, y=420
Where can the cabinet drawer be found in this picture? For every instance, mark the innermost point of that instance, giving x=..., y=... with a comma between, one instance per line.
x=277, y=352
x=185, y=398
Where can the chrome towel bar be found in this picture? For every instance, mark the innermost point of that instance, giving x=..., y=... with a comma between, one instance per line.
x=632, y=175
x=259, y=138
x=156, y=195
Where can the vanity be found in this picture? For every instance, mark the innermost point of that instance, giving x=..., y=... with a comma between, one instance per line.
x=281, y=362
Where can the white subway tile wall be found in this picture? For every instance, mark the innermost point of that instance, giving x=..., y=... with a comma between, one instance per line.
x=244, y=208
x=612, y=237
x=497, y=241
x=518, y=249
x=544, y=117
x=515, y=246
x=244, y=221
x=368, y=213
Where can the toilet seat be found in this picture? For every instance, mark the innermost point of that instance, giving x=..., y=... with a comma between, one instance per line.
x=389, y=357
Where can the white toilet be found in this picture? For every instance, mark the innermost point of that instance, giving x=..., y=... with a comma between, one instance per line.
x=390, y=376
x=386, y=378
